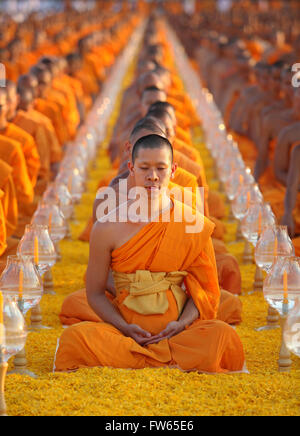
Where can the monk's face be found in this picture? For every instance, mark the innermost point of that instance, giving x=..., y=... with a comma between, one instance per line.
x=152, y=169
x=33, y=85
x=149, y=98
x=3, y=105
x=12, y=102
x=26, y=100
x=44, y=82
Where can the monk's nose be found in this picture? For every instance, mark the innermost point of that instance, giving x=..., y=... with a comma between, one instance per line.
x=152, y=175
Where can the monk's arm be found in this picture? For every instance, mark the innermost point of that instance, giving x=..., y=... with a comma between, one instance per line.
x=240, y=122
x=101, y=246
x=97, y=275
x=263, y=149
x=189, y=314
x=281, y=156
x=292, y=190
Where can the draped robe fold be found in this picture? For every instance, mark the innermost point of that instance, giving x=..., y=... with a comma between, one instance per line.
x=11, y=152
x=29, y=148
x=9, y=199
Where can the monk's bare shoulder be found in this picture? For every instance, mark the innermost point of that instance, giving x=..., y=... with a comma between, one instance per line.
x=290, y=133
x=104, y=235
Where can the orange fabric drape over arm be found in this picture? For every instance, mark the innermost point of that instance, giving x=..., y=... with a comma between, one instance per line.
x=3, y=244
x=53, y=112
x=29, y=148
x=11, y=152
x=9, y=199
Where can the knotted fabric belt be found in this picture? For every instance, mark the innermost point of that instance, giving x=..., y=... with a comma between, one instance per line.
x=147, y=290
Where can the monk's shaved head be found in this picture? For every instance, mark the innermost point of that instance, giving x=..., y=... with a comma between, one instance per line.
x=150, y=96
x=51, y=63
x=148, y=80
x=26, y=99
x=165, y=117
x=41, y=73
x=165, y=106
x=12, y=99
x=145, y=65
x=147, y=126
x=151, y=142
x=27, y=81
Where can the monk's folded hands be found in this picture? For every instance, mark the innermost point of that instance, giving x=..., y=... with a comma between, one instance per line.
x=135, y=332
x=172, y=329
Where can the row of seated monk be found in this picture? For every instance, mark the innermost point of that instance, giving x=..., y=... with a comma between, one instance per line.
x=155, y=295
x=41, y=112
x=257, y=92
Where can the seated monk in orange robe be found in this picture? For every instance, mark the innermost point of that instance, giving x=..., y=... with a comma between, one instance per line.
x=11, y=152
x=89, y=62
x=49, y=107
x=9, y=199
x=49, y=148
x=228, y=268
x=27, y=142
x=72, y=70
x=89, y=84
x=152, y=317
x=64, y=89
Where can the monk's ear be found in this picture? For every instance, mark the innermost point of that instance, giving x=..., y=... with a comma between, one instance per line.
x=130, y=167
x=173, y=170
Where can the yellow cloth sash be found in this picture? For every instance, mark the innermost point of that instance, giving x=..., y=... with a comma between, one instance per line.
x=147, y=290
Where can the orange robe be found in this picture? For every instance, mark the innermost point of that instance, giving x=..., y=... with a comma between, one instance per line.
x=9, y=199
x=184, y=135
x=89, y=83
x=296, y=242
x=187, y=150
x=78, y=90
x=52, y=140
x=3, y=244
x=229, y=274
x=29, y=148
x=206, y=345
x=216, y=205
x=190, y=166
x=53, y=112
x=73, y=114
x=27, y=122
x=11, y=152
